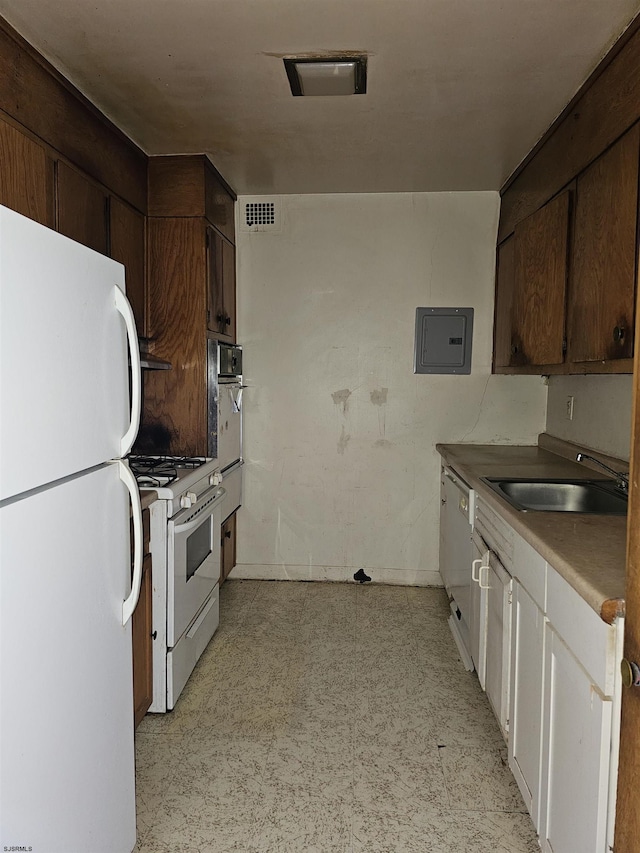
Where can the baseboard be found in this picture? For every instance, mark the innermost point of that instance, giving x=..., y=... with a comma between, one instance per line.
x=280, y=572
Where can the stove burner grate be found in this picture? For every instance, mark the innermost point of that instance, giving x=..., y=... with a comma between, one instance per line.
x=156, y=471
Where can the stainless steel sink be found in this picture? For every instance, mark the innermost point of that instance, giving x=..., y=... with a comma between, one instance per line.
x=593, y=496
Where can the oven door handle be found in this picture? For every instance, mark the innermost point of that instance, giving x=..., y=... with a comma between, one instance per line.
x=197, y=521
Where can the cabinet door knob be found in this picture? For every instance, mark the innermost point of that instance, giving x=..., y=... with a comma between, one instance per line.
x=630, y=673
x=227, y=320
x=227, y=534
x=618, y=333
x=514, y=349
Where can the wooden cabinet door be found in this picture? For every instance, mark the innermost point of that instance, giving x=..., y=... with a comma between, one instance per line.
x=505, y=287
x=176, y=401
x=127, y=231
x=141, y=630
x=538, y=311
x=219, y=204
x=525, y=703
x=221, y=285
x=602, y=290
x=26, y=176
x=141, y=626
x=229, y=288
x=228, y=541
x=215, y=304
x=82, y=209
x=576, y=752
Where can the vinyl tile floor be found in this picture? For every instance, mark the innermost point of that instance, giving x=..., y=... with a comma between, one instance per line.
x=334, y=718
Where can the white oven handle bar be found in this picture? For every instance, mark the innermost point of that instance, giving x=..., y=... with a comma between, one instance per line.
x=197, y=521
x=124, y=307
x=129, y=480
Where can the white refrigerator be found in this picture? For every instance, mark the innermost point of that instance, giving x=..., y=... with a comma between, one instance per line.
x=67, y=417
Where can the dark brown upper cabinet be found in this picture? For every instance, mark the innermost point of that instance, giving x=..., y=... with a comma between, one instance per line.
x=593, y=150
x=602, y=287
x=540, y=281
x=189, y=185
x=127, y=239
x=82, y=209
x=505, y=286
x=221, y=275
x=26, y=176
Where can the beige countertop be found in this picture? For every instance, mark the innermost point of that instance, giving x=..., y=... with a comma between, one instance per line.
x=589, y=551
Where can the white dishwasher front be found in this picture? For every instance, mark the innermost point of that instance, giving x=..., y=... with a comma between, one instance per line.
x=456, y=526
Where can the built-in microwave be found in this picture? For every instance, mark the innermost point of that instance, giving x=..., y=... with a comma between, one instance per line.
x=229, y=360
x=224, y=403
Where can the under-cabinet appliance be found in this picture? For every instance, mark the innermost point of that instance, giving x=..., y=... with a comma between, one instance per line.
x=185, y=549
x=67, y=771
x=456, y=526
x=226, y=418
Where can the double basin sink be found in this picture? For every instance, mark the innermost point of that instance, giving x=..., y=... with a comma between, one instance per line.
x=547, y=495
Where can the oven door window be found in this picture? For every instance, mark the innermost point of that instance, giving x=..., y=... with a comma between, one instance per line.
x=198, y=547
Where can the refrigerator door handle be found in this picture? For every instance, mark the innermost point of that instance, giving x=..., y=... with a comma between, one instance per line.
x=129, y=480
x=124, y=307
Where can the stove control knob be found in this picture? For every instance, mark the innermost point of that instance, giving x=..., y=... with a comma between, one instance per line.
x=215, y=479
x=187, y=500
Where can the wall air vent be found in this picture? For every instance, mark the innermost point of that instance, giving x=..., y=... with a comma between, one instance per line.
x=258, y=214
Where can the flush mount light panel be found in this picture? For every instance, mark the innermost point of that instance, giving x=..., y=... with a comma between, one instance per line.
x=327, y=76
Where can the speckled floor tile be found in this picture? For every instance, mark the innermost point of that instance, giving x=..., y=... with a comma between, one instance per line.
x=396, y=779
x=421, y=598
x=434, y=830
x=220, y=816
x=480, y=779
x=334, y=718
x=210, y=756
x=237, y=594
x=184, y=718
x=157, y=762
x=316, y=759
x=296, y=821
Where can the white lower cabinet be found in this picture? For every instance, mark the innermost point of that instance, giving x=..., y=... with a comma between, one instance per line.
x=478, y=607
x=576, y=755
x=491, y=591
x=526, y=704
x=498, y=640
x=549, y=666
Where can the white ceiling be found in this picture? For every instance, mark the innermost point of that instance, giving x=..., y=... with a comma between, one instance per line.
x=458, y=90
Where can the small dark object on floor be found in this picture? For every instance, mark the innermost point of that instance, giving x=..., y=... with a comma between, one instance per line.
x=361, y=577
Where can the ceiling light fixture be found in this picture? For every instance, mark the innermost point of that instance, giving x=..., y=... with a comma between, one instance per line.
x=344, y=75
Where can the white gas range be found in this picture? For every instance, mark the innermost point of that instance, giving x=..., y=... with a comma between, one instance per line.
x=185, y=549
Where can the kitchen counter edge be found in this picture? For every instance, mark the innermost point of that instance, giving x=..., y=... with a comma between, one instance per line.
x=587, y=550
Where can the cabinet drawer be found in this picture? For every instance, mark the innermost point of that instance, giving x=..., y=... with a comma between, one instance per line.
x=495, y=531
x=591, y=640
x=531, y=570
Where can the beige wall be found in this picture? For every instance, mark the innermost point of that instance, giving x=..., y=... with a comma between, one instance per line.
x=341, y=468
x=601, y=412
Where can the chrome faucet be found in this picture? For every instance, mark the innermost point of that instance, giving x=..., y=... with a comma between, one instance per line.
x=622, y=479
